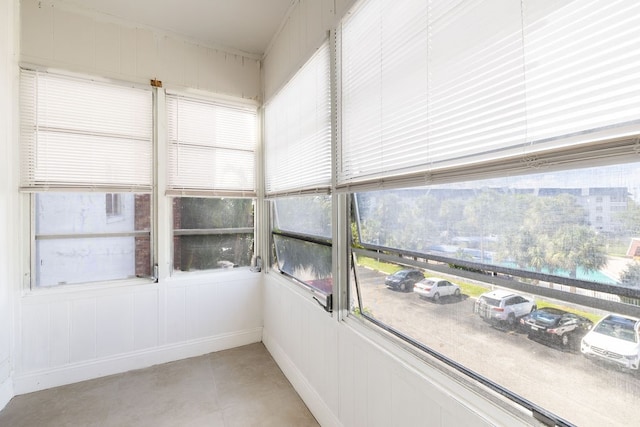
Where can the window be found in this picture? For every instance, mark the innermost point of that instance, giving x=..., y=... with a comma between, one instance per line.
x=76, y=243
x=298, y=177
x=298, y=131
x=211, y=147
x=113, y=205
x=503, y=234
x=73, y=133
x=211, y=176
x=302, y=243
x=472, y=135
x=211, y=233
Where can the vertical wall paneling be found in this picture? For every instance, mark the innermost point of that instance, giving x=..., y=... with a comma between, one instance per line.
x=114, y=334
x=8, y=204
x=59, y=334
x=37, y=29
x=128, y=52
x=63, y=38
x=145, y=320
x=35, y=332
x=83, y=329
x=108, y=43
x=175, y=318
x=74, y=39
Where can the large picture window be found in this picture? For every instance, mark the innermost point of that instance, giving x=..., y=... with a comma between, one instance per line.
x=489, y=151
x=533, y=269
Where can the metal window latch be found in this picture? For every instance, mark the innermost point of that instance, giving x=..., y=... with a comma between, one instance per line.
x=256, y=264
x=328, y=302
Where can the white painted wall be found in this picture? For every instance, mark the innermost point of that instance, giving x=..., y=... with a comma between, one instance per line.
x=8, y=205
x=55, y=36
x=349, y=376
x=301, y=34
x=71, y=333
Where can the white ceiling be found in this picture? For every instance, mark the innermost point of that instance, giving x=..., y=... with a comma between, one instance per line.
x=243, y=25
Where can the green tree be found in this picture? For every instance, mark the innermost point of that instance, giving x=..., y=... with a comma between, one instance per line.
x=552, y=233
x=576, y=246
x=631, y=275
x=630, y=219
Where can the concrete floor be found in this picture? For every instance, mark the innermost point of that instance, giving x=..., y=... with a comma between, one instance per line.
x=237, y=387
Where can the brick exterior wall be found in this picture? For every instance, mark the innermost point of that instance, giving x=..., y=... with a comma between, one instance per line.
x=177, y=224
x=142, y=208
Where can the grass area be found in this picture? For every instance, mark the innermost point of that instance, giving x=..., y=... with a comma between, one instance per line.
x=381, y=266
x=470, y=289
x=591, y=316
x=466, y=288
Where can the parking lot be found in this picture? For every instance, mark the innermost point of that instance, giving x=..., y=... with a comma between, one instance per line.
x=566, y=383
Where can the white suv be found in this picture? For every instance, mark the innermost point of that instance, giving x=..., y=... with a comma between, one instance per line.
x=503, y=306
x=615, y=340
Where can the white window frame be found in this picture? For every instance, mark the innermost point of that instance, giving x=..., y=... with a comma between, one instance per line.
x=106, y=180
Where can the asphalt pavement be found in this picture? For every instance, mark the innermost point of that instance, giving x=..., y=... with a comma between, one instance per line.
x=564, y=382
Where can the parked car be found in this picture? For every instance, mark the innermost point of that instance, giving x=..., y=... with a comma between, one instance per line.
x=614, y=339
x=503, y=306
x=435, y=288
x=404, y=279
x=556, y=325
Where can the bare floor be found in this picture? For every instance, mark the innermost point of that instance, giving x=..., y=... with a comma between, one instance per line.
x=237, y=387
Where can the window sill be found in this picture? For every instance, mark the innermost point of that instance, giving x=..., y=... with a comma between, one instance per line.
x=305, y=291
x=206, y=276
x=84, y=288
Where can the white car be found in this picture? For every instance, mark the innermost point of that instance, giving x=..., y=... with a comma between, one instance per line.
x=503, y=306
x=615, y=340
x=435, y=288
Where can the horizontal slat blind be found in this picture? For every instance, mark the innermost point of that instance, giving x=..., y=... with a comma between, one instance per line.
x=211, y=147
x=451, y=85
x=298, y=130
x=476, y=81
x=78, y=133
x=583, y=70
x=384, y=88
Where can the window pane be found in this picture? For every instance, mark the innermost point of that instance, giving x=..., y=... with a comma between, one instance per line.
x=309, y=215
x=212, y=233
x=554, y=243
x=567, y=224
x=81, y=238
x=206, y=252
x=306, y=261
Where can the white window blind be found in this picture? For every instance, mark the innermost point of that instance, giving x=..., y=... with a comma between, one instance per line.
x=78, y=133
x=298, y=130
x=467, y=82
x=211, y=147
